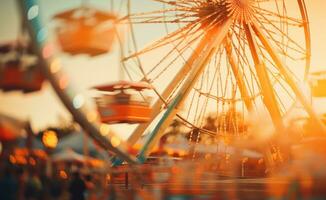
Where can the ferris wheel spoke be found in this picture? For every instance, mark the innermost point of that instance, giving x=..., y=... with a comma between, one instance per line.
x=282, y=82
x=264, y=21
x=269, y=98
x=210, y=90
x=174, y=18
x=244, y=61
x=203, y=113
x=272, y=63
x=280, y=45
x=179, y=48
x=253, y=95
x=277, y=80
x=237, y=73
x=212, y=42
x=285, y=72
x=162, y=11
x=197, y=105
x=281, y=104
x=178, y=3
x=279, y=31
x=175, y=14
x=216, y=63
x=174, y=36
x=280, y=17
x=178, y=34
x=170, y=88
x=202, y=92
x=263, y=53
x=284, y=47
x=282, y=50
x=227, y=78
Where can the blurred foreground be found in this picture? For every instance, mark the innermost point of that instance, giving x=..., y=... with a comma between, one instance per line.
x=303, y=176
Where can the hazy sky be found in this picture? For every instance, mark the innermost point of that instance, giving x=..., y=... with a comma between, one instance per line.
x=43, y=108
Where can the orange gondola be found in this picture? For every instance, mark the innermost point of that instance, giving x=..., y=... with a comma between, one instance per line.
x=318, y=84
x=122, y=104
x=85, y=30
x=15, y=79
x=15, y=73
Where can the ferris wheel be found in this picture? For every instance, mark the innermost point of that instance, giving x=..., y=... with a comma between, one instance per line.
x=221, y=57
x=228, y=58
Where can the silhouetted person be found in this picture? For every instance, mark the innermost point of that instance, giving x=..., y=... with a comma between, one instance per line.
x=8, y=185
x=77, y=187
x=21, y=182
x=90, y=186
x=56, y=186
x=46, y=184
x=33, y=187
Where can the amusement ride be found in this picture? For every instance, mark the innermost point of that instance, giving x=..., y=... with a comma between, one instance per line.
x=185, y=60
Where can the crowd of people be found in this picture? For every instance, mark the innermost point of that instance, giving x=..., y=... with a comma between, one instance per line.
x=30, y=184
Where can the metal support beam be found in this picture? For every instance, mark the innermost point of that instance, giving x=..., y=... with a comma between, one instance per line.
x=213, y=42
x=238, y=74
x=287, y=76
x=156, y=109
x=269, y=97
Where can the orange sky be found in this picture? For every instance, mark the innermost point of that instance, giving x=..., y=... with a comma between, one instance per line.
x=43, y=108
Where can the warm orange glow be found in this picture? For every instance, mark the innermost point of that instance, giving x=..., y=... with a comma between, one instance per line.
x=170, y=151
x=63, y=174
x=182, y=153
x=208, y=156
x=63, y=82
x=175, y=170
x=12, y=159
x=92, y=116
x=25, y=152
x=108, y=177
x=115, y=141
x=50, y=139
x=55, y=66
x=18, y=159
x=104, y=129
x=40, y=154
x=47, y=51
x=96, y=163
x=32, y=161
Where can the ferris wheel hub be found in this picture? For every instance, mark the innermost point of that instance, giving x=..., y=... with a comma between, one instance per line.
x=214, y=12
x=240, y=10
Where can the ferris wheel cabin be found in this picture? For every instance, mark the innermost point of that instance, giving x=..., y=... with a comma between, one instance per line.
x=19, y=70
x=122, y=102
x=85, y=30
x=318, y=84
